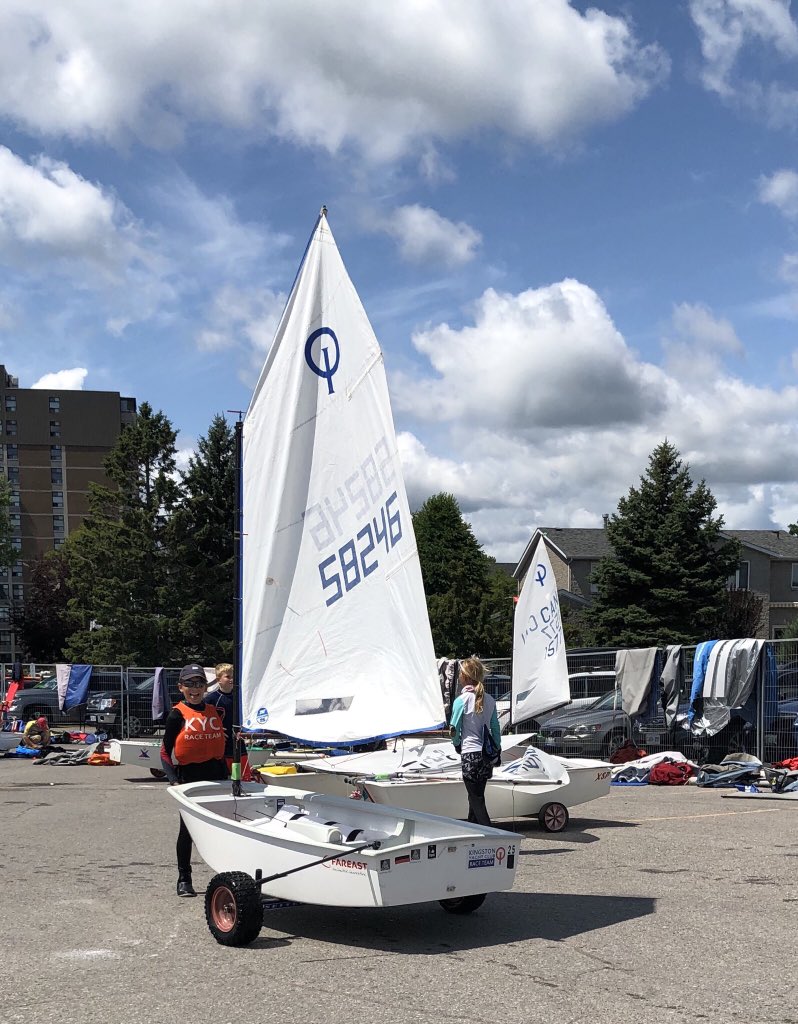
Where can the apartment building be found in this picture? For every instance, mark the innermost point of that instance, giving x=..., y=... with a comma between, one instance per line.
x=52, y=446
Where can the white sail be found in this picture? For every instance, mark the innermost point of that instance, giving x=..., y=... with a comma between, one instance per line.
x=336, y=640
x=540, y=670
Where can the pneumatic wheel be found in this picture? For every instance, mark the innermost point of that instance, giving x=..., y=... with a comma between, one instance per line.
x=157, y=773
x=463, y=904
x=553, y=817
x=233, y=908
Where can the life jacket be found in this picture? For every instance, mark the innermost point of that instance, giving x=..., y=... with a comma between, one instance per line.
x=202, y=736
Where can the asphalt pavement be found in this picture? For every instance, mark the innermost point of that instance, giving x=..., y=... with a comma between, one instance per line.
x=656, y=905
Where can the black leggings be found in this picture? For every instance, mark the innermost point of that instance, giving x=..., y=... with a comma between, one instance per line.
x=477, y=811
x=184, y=849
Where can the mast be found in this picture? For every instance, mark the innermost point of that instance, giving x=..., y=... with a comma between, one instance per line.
x=237, y=603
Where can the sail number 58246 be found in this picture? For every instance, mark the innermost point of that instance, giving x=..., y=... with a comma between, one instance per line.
x=358, y=558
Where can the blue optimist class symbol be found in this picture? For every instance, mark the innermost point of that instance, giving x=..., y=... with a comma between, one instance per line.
x=262, y=716
x=540, y=573
x=325, y=370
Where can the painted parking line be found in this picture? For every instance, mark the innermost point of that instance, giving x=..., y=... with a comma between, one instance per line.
x=718, y=814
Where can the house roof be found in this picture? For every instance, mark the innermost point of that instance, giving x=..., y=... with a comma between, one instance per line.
x=582, y=543
x=776, y=543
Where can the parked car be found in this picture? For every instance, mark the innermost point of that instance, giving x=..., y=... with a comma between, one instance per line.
x=782, y=737
x=42, y=699
x=595, y=730
x=130, y=714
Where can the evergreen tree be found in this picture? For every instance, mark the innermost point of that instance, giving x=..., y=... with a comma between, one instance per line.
x=44, y=622
x=120, y=565
x=202, y=539
x=666, y=580
x=7, y=553
x=468, y=600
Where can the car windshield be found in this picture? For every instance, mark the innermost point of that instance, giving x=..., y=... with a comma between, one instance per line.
x=45, y=684
x=147, y=684
x=606, y=702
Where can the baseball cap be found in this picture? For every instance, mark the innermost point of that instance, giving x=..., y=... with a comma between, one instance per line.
x=193, y=671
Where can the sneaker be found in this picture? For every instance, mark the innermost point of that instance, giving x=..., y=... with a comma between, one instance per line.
x=185, y=888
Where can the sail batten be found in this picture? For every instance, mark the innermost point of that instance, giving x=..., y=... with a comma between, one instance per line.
x=325, y=512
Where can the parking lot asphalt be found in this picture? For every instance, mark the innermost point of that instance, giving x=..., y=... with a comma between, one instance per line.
x=656, y=905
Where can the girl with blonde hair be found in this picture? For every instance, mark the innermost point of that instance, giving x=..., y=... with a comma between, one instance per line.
x=473, y=712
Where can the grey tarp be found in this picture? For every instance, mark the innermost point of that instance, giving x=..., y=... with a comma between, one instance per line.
x=672, y=682
x=633, y=670
x=730, y=677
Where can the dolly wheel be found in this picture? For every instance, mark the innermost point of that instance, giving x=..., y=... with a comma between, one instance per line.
x=233, y=908
x=157, y=773
x=463, y=904
x=553, y=817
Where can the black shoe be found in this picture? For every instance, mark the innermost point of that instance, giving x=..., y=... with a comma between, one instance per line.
x=184, y=887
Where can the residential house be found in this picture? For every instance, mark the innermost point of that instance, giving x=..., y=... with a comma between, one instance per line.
x=768, y=566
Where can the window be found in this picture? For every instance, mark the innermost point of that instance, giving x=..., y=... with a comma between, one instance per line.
x=11, y=403
x=12, y=452
x=54, y=404
x=58, y=499
x=16, y=543
x=739, y=581
x=5, y=638
x=778, y=632
x=13, y=499
x=17, y=592
x=55, y=453
x=57, y=542
x=127, y=404
x=56, y=476
x=4, y=614
x=794, y=580
x=58, y=524
x=3, y=591
x=13, y=474
x=55, y=428
x=11, y=428
x=14, y=520
x=16, y=569
x=593, y=586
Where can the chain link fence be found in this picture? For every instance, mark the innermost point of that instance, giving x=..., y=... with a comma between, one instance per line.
x=120, y=699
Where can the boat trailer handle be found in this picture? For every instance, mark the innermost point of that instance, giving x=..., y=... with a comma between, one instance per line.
x=315, y=863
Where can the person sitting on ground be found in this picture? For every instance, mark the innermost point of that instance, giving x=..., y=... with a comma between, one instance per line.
x=37, y=734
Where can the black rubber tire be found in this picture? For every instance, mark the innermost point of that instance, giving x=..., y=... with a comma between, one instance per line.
x=157, y=773
x=234, y=908
x=612, y=742
x=463, y=904
x=553, y=817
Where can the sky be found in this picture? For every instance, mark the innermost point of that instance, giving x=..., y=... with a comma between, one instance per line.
x=574, y=228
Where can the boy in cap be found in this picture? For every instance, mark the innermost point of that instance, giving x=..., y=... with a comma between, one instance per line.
x=194, y=734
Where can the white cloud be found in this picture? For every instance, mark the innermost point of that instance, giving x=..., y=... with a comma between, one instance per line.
x=387, y=78
x=781, y=190
x=548, y=417
x=237, y=316
x=63, y=380
x=47, y=209
x=726, y=29
x=424, y=236
x=546, y=358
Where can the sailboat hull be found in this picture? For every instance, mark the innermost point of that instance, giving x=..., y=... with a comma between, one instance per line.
x=504, y=798
x=269, y=830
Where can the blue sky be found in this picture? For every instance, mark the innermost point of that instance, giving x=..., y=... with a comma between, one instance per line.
x=573, y=227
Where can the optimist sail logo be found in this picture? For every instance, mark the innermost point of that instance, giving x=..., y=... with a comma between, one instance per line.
x=324, y=367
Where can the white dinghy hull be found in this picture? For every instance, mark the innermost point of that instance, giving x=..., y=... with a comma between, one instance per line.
x=270, y=830
x=505, y=798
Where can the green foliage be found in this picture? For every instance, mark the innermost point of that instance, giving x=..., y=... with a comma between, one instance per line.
x=121, y=568
x=44, y=622
x=8, y=554
x=468, y=599
x=202, y=541
x=666, y=581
